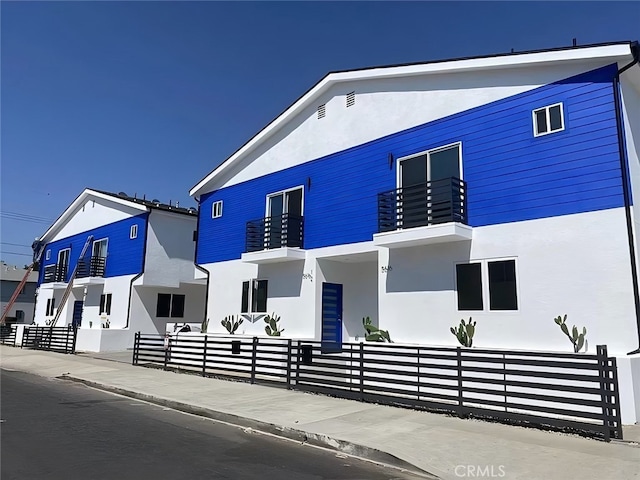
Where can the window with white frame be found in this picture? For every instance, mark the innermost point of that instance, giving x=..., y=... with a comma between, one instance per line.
x=105, y=304
x=170, y=305
x=548, y=119
x=133, y=232
x=51, y=306
x=499, y=276
x=47, y=255
x=216, y=209
x=254, y=296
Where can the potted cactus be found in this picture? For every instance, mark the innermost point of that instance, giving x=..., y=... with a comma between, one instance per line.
x=231, y=324
x=464, y=333
x=576, y=338
x=272, y=329
x=374, y=334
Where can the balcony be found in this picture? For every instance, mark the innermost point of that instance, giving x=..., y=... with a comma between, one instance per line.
x=91, y=270
x=274, y=239
x=432, y=212
x=55, y=276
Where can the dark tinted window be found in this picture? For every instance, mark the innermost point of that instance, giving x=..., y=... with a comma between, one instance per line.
x=541, y=121
x=469, y=286
x=555, y=118
x=245, y=298
x=177, y=306
x=502, y=285
x=163, y=309
x=105, y=303
x=260, y=297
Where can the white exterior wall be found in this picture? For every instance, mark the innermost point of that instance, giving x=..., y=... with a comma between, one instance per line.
x=170, y=249
x=144, y=301
x=92, y=214
x=576, y=265
x=386, y=106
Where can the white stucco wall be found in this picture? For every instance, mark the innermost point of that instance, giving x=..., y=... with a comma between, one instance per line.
x=576, y=265
x=144, y=301
x=386, y=106
x=93, y=214
x=170, y=249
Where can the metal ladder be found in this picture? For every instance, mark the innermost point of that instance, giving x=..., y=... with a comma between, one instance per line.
x=67, y=291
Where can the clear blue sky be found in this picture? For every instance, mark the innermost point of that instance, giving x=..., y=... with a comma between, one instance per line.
x=147, y=98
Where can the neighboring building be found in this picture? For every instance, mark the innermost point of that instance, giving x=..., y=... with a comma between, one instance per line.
x=494, y=187
x=136, y=274
x=10, y=278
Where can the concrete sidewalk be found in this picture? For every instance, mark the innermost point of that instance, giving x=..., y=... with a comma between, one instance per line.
x=447, y=447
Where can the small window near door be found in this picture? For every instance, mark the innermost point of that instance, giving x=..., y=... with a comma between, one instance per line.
x=105, y=304
x=47, y=255
x=20, y=316
x=51, y=306
x=216, y=209
x=170, y=305
x=469, y=286
x=503, y=293
x=254, y=296
x=548, y=119
x=133, y=233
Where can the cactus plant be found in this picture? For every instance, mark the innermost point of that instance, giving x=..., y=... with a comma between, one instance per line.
x=204, y=326
x=464, y=333
x=577, y=339
x=374, y=334
x=272, y=328
x=231, y=324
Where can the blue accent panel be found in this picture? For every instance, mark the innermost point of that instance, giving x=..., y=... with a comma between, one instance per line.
x=124, y=255
x=511, y=175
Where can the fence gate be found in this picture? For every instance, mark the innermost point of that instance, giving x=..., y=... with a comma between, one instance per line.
x=52, y=339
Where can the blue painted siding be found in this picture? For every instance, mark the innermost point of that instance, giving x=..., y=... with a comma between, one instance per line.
x=124, y=255
x=511, y=175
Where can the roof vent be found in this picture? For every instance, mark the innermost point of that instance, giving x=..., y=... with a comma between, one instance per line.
x=122, y=194
x=322, y=111
x=351, y=99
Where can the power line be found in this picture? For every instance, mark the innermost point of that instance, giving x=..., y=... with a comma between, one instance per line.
x=22, y=214
x=29, y=220
x=16, y=244
x=16, y=253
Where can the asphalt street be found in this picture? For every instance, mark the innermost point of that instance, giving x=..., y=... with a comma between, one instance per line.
x=57, y=430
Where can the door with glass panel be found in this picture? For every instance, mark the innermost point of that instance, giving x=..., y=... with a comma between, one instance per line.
x=283, y=227
x=98, y=257
x=427, y=190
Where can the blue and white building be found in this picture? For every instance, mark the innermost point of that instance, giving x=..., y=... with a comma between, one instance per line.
x=499, y=188
x=136, y=274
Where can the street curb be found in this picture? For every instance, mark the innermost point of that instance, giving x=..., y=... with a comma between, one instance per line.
x=317, y=440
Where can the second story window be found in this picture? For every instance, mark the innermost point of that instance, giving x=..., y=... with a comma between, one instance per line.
x=548, y=119
x=216, y=209
x=133, y=232
x=47, y=256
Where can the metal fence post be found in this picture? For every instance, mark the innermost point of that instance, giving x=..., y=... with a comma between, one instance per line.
x=297, y=364
x=289, y=363
x=361, y=371
x=204, y=357
x=605, y=387
x=254, y=352
x=166, y=351
x=460, y=397
x=136, y=346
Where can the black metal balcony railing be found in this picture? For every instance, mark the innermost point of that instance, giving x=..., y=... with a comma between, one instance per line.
x=274, y=232
x=430, y=203
x=91, y=267
x=55, y=273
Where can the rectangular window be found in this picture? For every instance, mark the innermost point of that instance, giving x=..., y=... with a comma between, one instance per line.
x=47, y=255
x=469, y=286
x=63, y=264
x=177, y=306
x=51, y=306
x=548, y=119
x=170, y=305
x=502, y=285
x=20, y=316
x=195, y=235
x=133, y=233
x=216, y=209
x=254, y=296
x=105, y=304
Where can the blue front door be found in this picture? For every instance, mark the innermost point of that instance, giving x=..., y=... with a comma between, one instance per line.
x=77, y=313
x=331, y=317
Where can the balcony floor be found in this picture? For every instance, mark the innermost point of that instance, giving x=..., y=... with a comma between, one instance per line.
x=428, y=235
x=274, y=255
